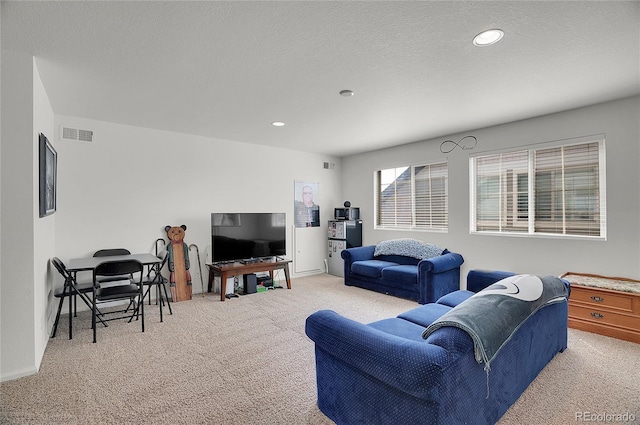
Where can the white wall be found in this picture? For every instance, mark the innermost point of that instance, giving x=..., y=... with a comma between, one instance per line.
x=123, y=188
x=619, y=255
x=17, y=336
x=44, y=228
x=120, y=191
x=27, y=241
x=1, y=179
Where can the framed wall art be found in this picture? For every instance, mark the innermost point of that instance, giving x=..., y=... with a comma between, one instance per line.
x=306, y=211
x=48, y=176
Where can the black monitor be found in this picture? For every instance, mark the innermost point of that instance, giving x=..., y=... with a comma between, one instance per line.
x=243, y=236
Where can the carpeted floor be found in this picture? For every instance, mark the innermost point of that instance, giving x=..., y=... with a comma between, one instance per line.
x=248, y=361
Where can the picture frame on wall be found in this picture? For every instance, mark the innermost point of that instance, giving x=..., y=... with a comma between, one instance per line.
x=306, y=211
x=48, y=159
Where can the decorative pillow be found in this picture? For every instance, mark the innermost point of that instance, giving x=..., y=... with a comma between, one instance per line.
x=408, y=247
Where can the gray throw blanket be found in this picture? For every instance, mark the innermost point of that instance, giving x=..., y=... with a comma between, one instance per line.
x=492, y=316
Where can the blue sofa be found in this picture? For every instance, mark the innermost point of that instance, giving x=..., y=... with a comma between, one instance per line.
x=386, y=372
x=420, y=279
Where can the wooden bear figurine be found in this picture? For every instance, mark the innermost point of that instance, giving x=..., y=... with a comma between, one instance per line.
x=180, y=278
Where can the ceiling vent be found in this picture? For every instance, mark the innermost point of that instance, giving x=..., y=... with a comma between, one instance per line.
x=75, y=134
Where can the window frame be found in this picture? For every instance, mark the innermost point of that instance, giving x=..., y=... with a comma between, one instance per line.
x=440, y=197
x=531, y=225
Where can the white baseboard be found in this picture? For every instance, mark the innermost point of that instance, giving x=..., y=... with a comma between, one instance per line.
x=18, y=374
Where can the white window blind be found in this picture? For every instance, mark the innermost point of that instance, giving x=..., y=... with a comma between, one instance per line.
x=567, y=186
x=501, y=187
x=556, y=190
x=412, y=197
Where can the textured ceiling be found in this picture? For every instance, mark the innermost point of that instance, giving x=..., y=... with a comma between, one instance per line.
x=228, y=69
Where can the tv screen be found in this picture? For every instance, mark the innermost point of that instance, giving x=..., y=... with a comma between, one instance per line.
x=243, y=236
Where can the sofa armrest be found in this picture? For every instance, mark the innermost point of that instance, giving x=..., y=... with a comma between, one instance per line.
x=414, y=367
x=477, y=280
x=358, y=254
x=438, y=276
x=350, y=255
x=441, y=263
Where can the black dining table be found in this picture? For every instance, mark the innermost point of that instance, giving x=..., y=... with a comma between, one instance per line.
x=89, y=263
x=83, y=264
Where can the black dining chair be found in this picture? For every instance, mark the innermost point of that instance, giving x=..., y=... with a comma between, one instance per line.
x=131, y=291
x=70, y=289
x=155, y=279
x=109, y=253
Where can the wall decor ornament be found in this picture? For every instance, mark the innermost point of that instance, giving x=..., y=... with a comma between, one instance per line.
x=467, y=143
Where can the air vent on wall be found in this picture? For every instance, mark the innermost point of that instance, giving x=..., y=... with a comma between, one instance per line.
x=329, y=165
x=68, y=133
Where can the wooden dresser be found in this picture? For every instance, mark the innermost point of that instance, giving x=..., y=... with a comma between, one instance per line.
x=605, y=305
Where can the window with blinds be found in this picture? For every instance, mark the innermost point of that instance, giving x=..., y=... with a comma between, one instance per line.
x=556, y=190
x=412, y=197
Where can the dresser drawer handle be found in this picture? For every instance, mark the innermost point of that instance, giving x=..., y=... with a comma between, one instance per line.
x=597, y=299
x=597, y=315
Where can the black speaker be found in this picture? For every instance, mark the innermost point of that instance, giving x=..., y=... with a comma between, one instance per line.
x=250, y=282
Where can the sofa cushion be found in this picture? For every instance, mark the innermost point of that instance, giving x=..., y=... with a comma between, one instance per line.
x=370, y=268
x=398, y=259
x=401, y=274
x=407, y=247
x=452, y=299
x=400, y=328
x=425, y=314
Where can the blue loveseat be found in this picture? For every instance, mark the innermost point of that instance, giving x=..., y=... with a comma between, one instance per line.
x=405, y=268
x=386, y=372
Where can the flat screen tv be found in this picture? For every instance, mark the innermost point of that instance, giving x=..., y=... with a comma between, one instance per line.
x=244, y=236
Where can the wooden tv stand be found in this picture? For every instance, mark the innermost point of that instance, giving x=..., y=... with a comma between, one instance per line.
x=607, y=306
x=227, y=270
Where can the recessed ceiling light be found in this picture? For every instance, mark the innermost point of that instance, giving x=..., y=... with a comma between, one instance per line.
x=346, y=93
x=488, y=37
x=277, y=124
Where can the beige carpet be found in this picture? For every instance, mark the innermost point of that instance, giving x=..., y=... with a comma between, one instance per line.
x=248, y=361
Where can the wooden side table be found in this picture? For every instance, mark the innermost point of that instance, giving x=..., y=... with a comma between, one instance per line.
x=604, y=305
